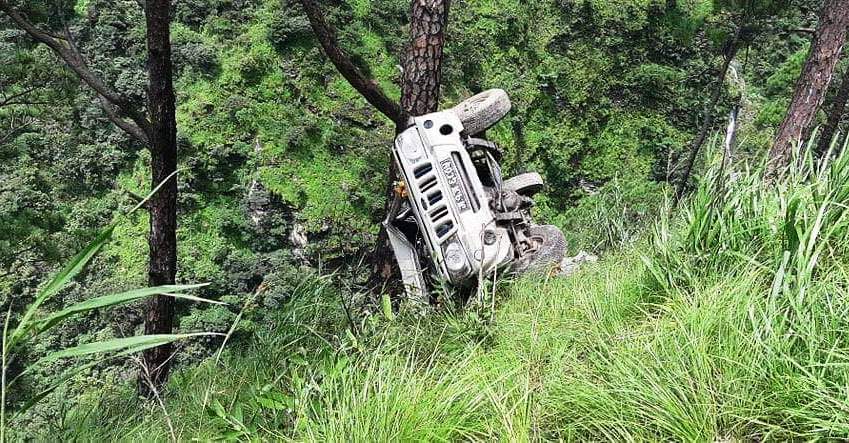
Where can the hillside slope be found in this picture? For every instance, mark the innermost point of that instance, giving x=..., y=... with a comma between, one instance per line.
x=728, y=324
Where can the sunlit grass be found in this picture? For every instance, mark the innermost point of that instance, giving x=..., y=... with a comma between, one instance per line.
x=729, y=323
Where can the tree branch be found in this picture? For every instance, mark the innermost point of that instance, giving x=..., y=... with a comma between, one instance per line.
x=24, y=103
x=65, y=49
x=801, y=31
x=369, y=88
x=13, y=132
x=128, y=127
x=10, y=100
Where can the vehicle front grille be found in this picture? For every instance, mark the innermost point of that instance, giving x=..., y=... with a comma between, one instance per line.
x=433, y=200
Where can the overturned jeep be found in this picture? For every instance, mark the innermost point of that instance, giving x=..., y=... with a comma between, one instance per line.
x=458, y=220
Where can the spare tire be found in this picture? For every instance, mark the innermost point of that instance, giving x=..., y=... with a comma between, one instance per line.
x=526, y=184
x=479, y=112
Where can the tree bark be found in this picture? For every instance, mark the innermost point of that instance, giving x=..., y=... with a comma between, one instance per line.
x=810, y=89
x=423, y=62
x=157, y=130
x=707, y=122
x=420, y=87
x=162, y=238
x=838, y=108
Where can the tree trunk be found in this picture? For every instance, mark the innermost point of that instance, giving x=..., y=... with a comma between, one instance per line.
x=836, y=114
x=163, y=205
x=707, y=122
x=158, y=130
x=423, y=61
x=419, y=95
x=810, y=89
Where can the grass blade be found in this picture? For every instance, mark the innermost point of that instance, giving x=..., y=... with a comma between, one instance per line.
x=60, y=280
x=70, y=373
x=51, y=320
x=119, y=344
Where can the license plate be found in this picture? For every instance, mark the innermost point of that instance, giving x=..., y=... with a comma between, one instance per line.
x=453, y=179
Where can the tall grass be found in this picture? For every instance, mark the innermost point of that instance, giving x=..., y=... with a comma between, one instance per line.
x=728, y=324
x=36, y=321
x=782, y=247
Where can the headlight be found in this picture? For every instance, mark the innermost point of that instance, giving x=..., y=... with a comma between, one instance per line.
x=411, y=145
x=455, y=258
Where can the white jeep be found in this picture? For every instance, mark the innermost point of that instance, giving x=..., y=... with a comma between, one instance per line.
x=458, y=220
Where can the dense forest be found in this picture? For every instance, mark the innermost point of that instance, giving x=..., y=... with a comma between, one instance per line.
x=192, y=195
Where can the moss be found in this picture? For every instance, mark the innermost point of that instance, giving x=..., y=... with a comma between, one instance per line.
x=203, y=246
x=326, y=188
x=360, y=8
x=128, y=249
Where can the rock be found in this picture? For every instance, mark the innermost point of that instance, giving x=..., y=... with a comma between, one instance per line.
x=570, y=265
x=258, y=202
x=298, y=236
x=588, y=187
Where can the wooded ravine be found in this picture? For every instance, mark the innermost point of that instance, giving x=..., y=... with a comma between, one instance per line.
x=192, y=191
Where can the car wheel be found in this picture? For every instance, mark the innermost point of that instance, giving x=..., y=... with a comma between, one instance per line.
x=526, y=184
x=479, y=112
x=550, y=250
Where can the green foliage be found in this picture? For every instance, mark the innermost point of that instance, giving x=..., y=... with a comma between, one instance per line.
x=259, y=103
x=784, y=78
x=779, y=88
x=729, y=325
x=34, y=322
x=312, y=163
x=237, y=399
x=782, y=246
x=601, y=90
x=613, y=216
x=606, y=94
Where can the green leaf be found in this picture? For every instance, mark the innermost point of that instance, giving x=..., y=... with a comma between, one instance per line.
x=276, y=401
x=67, y=375
x=298, y=360
x=51, y=320
x=386, y=304
x=60, y=280
x=76, y=265
x=237, y=414
x=152, y=192
x=137, y=343
x=218, y=409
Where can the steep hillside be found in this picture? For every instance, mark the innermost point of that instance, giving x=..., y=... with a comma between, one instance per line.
x=716, y=319
x=728, y=324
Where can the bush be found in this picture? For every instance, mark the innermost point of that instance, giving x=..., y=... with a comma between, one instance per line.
x=614, y=215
